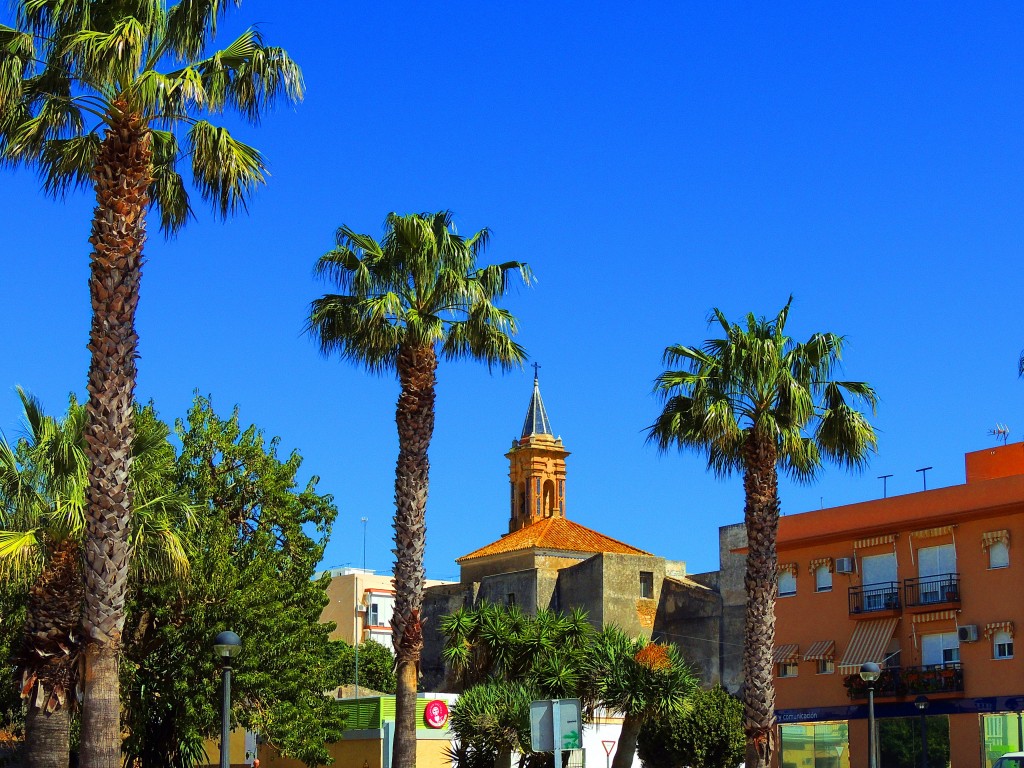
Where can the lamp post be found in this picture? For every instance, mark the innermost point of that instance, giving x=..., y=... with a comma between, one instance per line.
x=921, y=702
x=869, y=672
x=363, y=520
x=227, y=645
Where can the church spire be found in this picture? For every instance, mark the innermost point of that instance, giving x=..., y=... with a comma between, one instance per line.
x=536, y=416
x=536, y=468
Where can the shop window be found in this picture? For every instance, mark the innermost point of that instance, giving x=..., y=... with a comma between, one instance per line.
x=822, y=579
x=646, y=584
x=826, y=666
x=817, y=745
x=1002, y=645
x=787, y=584
x=789, y=669
x=998, y=555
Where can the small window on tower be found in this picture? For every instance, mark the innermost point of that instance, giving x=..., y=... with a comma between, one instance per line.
x=646, y=584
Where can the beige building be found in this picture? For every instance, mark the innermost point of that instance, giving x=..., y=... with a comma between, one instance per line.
x=361, y=605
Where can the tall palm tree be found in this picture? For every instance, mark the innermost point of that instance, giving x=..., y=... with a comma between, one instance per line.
x=112, y=92
x=642, y=680
x=43, y=479
x=755, y=401
x=403, y=302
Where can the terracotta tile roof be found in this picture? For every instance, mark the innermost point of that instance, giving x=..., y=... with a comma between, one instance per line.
x=555, y=533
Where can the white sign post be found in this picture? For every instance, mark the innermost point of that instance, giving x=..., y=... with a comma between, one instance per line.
x=555, y=726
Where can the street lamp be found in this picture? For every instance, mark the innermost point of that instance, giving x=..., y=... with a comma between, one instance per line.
x=227, y=645
x=921, y=702
x=869, y=672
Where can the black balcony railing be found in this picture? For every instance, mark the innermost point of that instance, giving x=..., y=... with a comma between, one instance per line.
x=875, y=597
x=928, y=590
x=910, y=681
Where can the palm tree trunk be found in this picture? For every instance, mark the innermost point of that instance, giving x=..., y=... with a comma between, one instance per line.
x=47, y=737
x=122, y=178
x=626, y=750
x=761, y=489
x=414, y=415
x=50, y=655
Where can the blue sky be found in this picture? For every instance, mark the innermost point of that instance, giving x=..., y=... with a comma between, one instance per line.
x=649, y=162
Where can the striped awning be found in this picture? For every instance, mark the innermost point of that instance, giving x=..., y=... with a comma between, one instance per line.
x=874, y=541
x=823, y=649
x=998, y=626
x=784, y=653
x=928, y=533
x=934, y=616
x=817, y=562
x=787, y=567
x=991, y=537
x=867, y=644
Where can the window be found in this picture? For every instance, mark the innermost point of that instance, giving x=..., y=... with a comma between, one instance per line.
x=822, y=579
x=787, y=584
x=510, y=600
x=373, y=615
x=646, y=584
x=789, y=669
x=826, y=666
x=998, y=555
x=1002, y=645
x=934, y=567
x=940, y=650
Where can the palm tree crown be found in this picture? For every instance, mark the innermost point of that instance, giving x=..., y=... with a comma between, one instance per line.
x=756, y=379
x=71, y=68
x=419, y=287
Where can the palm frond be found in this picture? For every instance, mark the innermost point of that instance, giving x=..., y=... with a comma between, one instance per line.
x=225, y=170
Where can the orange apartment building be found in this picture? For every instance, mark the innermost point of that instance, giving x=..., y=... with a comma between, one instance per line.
x=926, y=585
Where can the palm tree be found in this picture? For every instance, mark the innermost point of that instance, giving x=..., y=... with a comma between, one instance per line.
x=416, y=295
x=642, y=680
x=99, y=91
x=755, y=401
x=42, y=523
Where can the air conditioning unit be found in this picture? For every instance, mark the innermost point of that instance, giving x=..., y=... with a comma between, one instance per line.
x=968, y=633
x=844, y=565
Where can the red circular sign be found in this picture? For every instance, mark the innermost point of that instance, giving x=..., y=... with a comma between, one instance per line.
x=436, y=714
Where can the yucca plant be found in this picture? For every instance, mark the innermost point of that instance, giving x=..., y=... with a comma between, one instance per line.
x=755, y=401
x=114, y=93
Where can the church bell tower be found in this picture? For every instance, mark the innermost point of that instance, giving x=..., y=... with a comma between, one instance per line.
x=536, y=468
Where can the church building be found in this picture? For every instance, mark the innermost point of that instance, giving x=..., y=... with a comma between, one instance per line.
x=548, y=561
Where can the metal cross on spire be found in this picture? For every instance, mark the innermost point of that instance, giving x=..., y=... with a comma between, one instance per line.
x=536, y=368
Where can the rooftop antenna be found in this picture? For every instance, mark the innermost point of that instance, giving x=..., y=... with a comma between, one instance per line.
x=924, y=475
x=1001, y=432
x=885, y=485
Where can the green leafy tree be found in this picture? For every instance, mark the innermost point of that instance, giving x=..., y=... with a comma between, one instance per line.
x=643, y=680
x=709, y=734
x=42, y=525
x=376, y=666
x=404, y=301
x=112, y=94
x=491, y=719
x=755, y=401
x=259, y=538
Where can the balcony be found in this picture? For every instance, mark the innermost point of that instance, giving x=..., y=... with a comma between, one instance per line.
x=932, y=591
x=910, y=681
x=876, y=600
